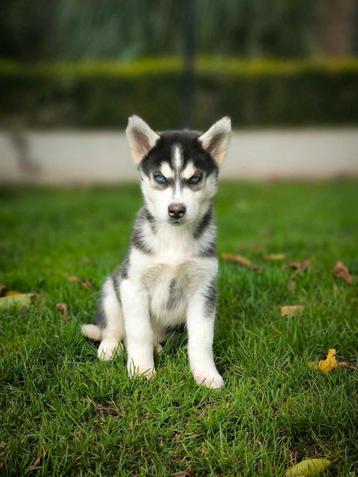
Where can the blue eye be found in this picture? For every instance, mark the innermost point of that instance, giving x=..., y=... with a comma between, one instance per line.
x=195, y=179
x=160, y=179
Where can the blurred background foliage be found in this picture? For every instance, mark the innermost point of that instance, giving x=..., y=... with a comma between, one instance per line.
x=253, y=92
x=90, y=63
x=125, y=30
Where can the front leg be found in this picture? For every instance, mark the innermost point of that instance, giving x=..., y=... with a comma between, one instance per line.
x=200, y=324
x=138, y=329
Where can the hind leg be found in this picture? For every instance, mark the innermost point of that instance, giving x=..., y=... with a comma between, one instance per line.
x=159, y=337
x=113, y=324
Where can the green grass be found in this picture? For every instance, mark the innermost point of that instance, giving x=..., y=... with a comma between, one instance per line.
x=90, y=419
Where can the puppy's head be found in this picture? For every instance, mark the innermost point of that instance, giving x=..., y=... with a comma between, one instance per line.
x=178, y=169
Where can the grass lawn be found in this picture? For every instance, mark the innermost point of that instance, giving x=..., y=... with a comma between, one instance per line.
x=85, y=417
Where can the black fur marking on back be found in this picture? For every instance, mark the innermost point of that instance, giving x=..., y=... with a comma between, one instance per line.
x=121, y=272
x=210, y=298
x=116, y=280
x=203, y=224
x=124, y=268
x=191, y=150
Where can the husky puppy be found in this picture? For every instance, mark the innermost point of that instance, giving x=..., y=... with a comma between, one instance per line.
x=169, y=275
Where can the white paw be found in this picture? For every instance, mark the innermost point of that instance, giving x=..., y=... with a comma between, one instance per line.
x=107, y=349
x=135, y=369
x=211, y=380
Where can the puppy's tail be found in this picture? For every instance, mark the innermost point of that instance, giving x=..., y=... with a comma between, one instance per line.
x=92, y=331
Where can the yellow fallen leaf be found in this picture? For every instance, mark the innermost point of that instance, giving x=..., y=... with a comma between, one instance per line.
x=12, y=293
x=308, y=467
x=21, y=300
x=330, y=363
x=289, y=310
x=275, y=257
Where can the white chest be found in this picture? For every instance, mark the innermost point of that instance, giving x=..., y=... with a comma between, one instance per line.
x=169, y=288
x=172, y=274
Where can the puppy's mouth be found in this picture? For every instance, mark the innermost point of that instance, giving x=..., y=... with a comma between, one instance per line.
x=176, y=221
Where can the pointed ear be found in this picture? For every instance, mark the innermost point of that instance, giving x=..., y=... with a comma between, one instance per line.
x=216, y=139
x=141, y=138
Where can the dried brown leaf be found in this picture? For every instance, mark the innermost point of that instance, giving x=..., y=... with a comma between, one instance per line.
x=238, y=260
x=62, y=308
x=299, y=267
x=342, y=272
x=347, y=365
x=86, y=283
x=83, y=282
x=289, y=310
x=101, y=410
x=38, y=461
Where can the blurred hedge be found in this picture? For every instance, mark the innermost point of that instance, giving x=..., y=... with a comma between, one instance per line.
x=253, y=93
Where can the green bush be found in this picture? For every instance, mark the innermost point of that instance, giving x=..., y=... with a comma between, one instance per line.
x=253, y=93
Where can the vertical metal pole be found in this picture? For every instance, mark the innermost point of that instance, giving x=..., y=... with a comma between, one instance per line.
x=188, y=80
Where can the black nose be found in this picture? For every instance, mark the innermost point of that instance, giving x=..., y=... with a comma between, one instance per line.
x=176, y=211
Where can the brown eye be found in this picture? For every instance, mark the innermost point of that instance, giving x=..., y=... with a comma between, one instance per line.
x=195, y=179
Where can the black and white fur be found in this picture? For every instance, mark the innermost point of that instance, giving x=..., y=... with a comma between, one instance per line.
x=169, y=275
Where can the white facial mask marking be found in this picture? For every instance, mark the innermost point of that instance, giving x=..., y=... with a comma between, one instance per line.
x=177, y=158
x=188, y=171
x=177, y=161
x=177, y=192
x=159, y=199
x=166, y=170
